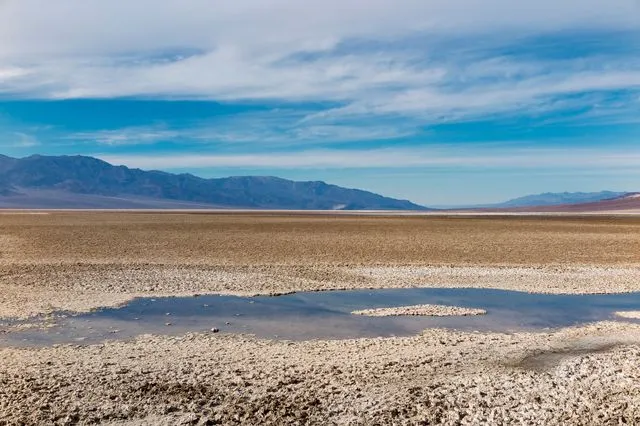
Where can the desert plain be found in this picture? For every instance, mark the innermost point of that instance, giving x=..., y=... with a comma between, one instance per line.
x=79, y=261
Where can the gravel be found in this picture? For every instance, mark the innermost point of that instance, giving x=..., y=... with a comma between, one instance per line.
x=629, y=314
x=41, y=289
x=421, y=310
x=75, y=261
x=438, y=377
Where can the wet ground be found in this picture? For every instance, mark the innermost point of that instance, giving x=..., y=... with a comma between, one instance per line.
x=324, y=315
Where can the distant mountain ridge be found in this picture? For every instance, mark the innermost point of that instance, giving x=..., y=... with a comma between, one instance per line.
x=628, y=203
x=559, y=198
x=83, y=182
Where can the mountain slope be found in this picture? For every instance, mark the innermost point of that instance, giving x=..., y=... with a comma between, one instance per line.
x=77, y=178
x=559, y=198
x=629, y=202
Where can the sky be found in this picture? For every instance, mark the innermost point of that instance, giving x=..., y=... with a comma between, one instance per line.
x=442, y=102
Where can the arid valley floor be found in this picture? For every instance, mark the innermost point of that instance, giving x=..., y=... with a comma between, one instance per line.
x=79, y=261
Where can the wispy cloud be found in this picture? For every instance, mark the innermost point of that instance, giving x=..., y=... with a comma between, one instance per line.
x=11, y=73
x=437, y=156
x=434, y=59
x=273, y=128
x=125, y=136
x=25, y=140
x=19, y=140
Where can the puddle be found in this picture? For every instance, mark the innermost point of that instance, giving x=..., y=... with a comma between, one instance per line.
x=326, y=315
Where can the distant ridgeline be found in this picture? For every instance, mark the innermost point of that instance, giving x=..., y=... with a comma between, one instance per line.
x=86, y=182
x=557, y=198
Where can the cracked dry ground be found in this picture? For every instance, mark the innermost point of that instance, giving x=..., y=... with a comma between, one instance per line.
x=437, y=377
x=584, y=375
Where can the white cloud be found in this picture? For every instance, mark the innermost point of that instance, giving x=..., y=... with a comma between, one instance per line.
x=537, y=93
x=11, y=72
x=69, y=27
x=243, y=50
x=25, y=140
x=486, y=156
x=19, y=140
x=125, y=136
x=277, y=128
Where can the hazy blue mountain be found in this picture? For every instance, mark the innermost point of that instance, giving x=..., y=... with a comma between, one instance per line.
x=556, y=198
x=81, y=182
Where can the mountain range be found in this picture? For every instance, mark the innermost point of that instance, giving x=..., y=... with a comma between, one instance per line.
x=85, y=182
x=78, y=181
x=558, y=198
x=628, y=202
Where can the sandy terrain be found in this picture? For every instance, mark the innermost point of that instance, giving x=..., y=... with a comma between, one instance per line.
x=629, y=314
x=316, y=240
x=573, y=376
x=421, y=310
x=36, y=289
x=78, y=261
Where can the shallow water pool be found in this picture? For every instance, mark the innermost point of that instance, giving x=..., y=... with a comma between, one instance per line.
x=326, y=315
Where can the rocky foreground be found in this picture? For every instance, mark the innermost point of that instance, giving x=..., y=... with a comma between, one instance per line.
x=420, y=310
x=29, y=290
x=629, y=314
x=577, y=376
x=79, y=261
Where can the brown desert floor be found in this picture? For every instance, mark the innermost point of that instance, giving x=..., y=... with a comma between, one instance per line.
x=295, y=239
x=79, y=261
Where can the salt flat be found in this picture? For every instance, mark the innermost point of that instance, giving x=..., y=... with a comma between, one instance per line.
x=83, y=260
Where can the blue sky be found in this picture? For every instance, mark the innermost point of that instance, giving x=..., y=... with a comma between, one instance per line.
x=441, y=102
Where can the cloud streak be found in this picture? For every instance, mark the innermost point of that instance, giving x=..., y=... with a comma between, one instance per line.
x=20, y=140
x=429, y=59
x=250, y=129
x=437, y=156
